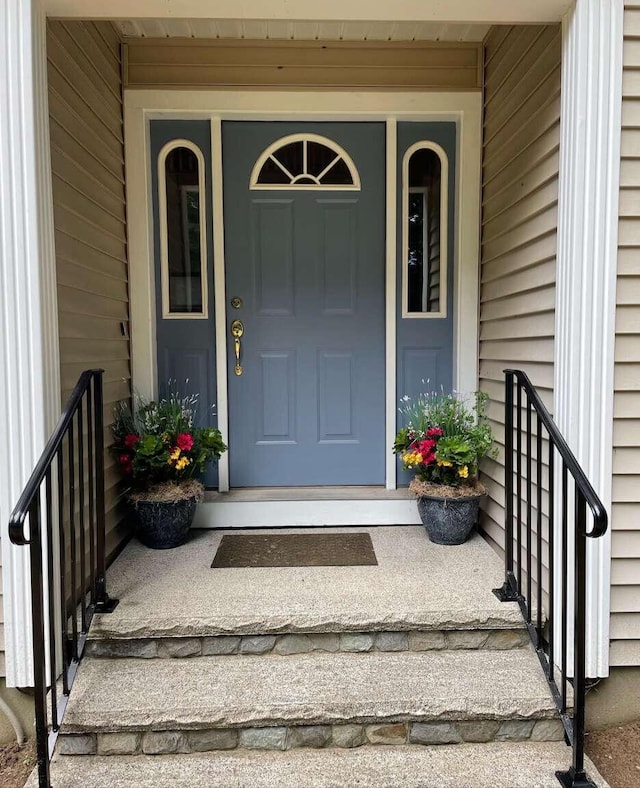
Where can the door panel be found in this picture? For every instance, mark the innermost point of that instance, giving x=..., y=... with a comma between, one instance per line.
x=272, y=256
x=308, y=265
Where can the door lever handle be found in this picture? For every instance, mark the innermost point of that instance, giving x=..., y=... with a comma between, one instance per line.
x=237, y=330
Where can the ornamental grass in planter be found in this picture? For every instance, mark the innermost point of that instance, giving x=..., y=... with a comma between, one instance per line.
x=445, y=438
x=161, y=454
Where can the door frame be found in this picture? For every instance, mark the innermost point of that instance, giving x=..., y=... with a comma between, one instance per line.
x=463, y=108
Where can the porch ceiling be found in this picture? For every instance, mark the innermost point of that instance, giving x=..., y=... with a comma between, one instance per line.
x=307, y=30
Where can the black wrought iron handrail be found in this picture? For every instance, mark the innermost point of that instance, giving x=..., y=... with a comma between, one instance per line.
x=74, y=521
x=518, y=585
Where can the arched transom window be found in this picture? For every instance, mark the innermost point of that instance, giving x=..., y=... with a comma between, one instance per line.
x=304, y=161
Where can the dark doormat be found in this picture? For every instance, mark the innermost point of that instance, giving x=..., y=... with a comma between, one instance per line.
x=241, y=550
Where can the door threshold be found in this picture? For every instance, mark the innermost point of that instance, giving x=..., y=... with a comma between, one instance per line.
x=289, y=507
x=307, y=494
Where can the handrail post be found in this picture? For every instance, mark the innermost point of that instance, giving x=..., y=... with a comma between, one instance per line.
x=507, y=592
x=104, y=604
x=575, y=776
x=39, y=653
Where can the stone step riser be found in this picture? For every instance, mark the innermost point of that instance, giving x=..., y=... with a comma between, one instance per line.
x=313, y=736
x=290, y=644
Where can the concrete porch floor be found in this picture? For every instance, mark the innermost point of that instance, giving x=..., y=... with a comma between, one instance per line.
x=416, y=585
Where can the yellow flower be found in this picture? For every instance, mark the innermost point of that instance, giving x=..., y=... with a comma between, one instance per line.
x=182, y=463
x=445, y=463
x=174, y=454
x=411, y=458
x=464, y=472
x=165, y=437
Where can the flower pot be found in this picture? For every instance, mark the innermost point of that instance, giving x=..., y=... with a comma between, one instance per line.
x=448, y=520
x=164, y=524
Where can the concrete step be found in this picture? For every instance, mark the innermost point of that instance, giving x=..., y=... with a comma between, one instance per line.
x=495, y=765
x=307, y=700
x=416, y=586
x=304, y=643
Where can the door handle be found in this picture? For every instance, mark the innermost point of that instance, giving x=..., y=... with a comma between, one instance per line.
x=237, y=330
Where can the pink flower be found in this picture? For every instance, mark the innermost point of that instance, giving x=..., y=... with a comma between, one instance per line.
x=184, y=441
x=131, y=440
x=435, y=432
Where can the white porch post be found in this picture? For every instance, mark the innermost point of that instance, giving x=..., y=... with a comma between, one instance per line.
x=29, y=379
x=586, y=276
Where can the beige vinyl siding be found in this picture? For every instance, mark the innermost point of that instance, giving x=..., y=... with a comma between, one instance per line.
x=519, y=223
x=625, y=519
x=342, y=65
x=87, y=160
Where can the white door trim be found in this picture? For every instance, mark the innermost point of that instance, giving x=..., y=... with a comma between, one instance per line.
x=29, y=356
x=586, y=272
x=463, y=108
x=390, y=303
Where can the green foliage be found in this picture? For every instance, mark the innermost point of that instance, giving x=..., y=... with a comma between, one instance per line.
x=158, y=441
x=445, y=437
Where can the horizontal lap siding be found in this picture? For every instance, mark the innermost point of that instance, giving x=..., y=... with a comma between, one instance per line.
x=625, y=520
x=519, y=226
x=87, y=159
x=340, y=65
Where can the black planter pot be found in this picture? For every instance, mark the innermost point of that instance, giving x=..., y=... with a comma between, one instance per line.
x=448, y=520
x=164, y=524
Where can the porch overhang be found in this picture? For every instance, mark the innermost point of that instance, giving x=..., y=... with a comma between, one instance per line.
x=452, y=11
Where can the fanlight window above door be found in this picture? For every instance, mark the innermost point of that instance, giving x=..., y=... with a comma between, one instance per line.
x=305, y=161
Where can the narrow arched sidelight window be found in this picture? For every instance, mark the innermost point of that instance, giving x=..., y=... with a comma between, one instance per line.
x=182, y=212
x=304, y=161
x=424, y=231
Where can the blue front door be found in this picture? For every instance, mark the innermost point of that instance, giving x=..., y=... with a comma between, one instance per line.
x=304, y=217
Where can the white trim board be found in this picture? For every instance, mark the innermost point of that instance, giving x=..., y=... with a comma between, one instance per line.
x=390, y=107
x=464, y=11
x=586, y=273
x=289, y=514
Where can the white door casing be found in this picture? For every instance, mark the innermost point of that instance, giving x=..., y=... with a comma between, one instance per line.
x=463, y=108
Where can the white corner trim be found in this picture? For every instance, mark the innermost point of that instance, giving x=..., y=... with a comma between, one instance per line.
x=29, y=384
x=586, y=277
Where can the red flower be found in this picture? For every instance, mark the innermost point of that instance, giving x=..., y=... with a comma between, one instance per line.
x=125, y=463
x=131, y=440
x=426, y=447
x=427, y=450
x=184, y=441
x=435, y=432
